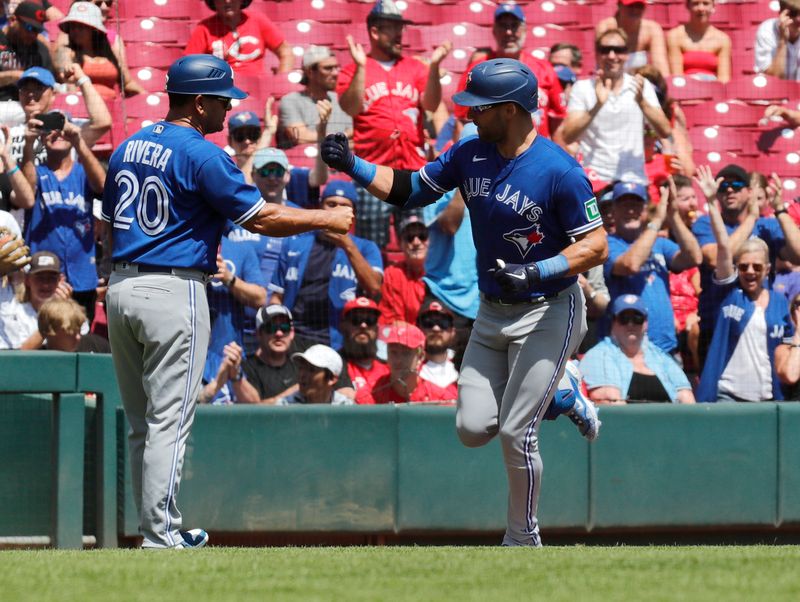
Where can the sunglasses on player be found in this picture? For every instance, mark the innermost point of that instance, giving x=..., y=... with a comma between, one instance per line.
x=227, y=102
x=431, y=320
x=368, y=318
x=273, y=327
x=271, y=172
x=631, y=318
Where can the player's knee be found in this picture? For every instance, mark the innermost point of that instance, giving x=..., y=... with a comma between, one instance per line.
x=513, y=440
x=473, y=434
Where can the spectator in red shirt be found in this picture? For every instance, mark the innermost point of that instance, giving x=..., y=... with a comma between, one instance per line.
x=240, y=37
x=509, y=37
x=405, y=350
x=438, y=324
x=387, y=95
x=403, y=289
x=359, y=326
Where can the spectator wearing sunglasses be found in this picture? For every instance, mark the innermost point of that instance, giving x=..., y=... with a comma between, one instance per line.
x=645, y=37
x=777, y=49
x=626, y=367
x=438, y=324
x=318, y=273
x=640, y=261
x=752, y=350
x=607, y=114
x=405, y=345
x=730, y=190
x=20, y=48
x=359, y=326
x=299, y=117
x=245, y=137
x=403, y=288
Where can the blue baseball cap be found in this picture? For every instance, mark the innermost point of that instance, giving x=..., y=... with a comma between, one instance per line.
x=265, y=156
x=341, y=188
x=622, y=189
x=243, y=119
x=628, y=302
x=564, y=74
x=40, y=74
x=509, y=8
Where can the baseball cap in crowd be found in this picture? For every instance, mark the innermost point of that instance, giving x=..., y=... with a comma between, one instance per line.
x=622, y=189
x=315, y=54
x=565, y=75
x=509, y=8
x=434, y=306
x=404, y=334
x=265, y=156
x=31, y=14
x=39, y=74
x=323, y=357
x=734, y=172
x=44, y=261
x=411, y=220
x=85, y=13
x=628, y=302
x=386, y=9
x=243, y=119
x=341, y=188
x=266, y=313
x=360, y=303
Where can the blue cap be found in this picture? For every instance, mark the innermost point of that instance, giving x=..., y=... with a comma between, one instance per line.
x=565, y=74
x=243, y=119
x=628, y=302
x=265, y=156
x=622, y=189
x=340, y=188
x=40, y=74
x=509, y=8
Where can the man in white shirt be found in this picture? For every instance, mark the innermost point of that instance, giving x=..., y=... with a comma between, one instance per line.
x=778, y=43
x=606, y=114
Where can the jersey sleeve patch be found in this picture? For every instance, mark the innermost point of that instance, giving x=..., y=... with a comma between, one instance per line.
x=591, y=210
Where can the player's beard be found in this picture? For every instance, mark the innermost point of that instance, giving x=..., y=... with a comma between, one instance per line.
x=354, y=350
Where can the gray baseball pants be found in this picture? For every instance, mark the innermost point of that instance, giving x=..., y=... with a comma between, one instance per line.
x=514, y=360
x=159, y=328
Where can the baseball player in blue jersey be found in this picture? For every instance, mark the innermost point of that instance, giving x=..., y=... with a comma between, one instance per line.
x=168, y=196
x=536, y=226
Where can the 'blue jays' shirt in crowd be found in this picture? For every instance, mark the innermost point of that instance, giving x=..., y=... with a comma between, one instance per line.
x=61, y=222
x=523, y=209
x=343, y=285
x=169, y=208
x=767, y=229
x=651, y=284
x=228, y=314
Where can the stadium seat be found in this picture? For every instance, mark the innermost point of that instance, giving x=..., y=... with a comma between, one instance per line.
x=779, y=140
x=690, y=89
x=149, y=54
x=723, y=113
x=715, y=138
x=164, y=9
x=145, y=106
x=71, y=103
x=152, y=79
x=461, y=34
x=762, y=88
x=308, y=32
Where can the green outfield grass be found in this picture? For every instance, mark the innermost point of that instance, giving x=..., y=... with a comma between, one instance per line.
x=757, y=573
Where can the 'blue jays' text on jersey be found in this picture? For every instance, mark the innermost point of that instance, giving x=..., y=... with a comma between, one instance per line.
x=523, y=209
x=61, y=221
x=168, y=193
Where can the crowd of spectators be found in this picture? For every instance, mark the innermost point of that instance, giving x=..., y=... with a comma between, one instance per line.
x=699, y=299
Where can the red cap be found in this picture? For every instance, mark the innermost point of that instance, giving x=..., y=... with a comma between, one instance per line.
x=629, y=2
x=403, y=333
x=359, y=303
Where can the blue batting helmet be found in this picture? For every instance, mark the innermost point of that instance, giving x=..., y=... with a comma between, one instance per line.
x=500, y=80
x=202, y=74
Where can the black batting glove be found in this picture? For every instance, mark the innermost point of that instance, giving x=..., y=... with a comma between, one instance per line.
x=515, y=278
x=336, y=152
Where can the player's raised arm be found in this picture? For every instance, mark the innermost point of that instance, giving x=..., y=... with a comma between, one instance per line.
x=279, y=220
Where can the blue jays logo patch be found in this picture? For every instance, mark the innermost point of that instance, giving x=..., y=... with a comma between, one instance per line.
x=525, y=238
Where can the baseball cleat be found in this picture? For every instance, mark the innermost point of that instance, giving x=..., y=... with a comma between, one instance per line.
x=584, y=412
x=193, y=538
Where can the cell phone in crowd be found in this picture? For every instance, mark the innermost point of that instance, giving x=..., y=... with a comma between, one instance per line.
x=54, y=120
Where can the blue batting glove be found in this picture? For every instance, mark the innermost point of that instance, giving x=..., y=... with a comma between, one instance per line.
x=336, y=152
x=516, y=277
